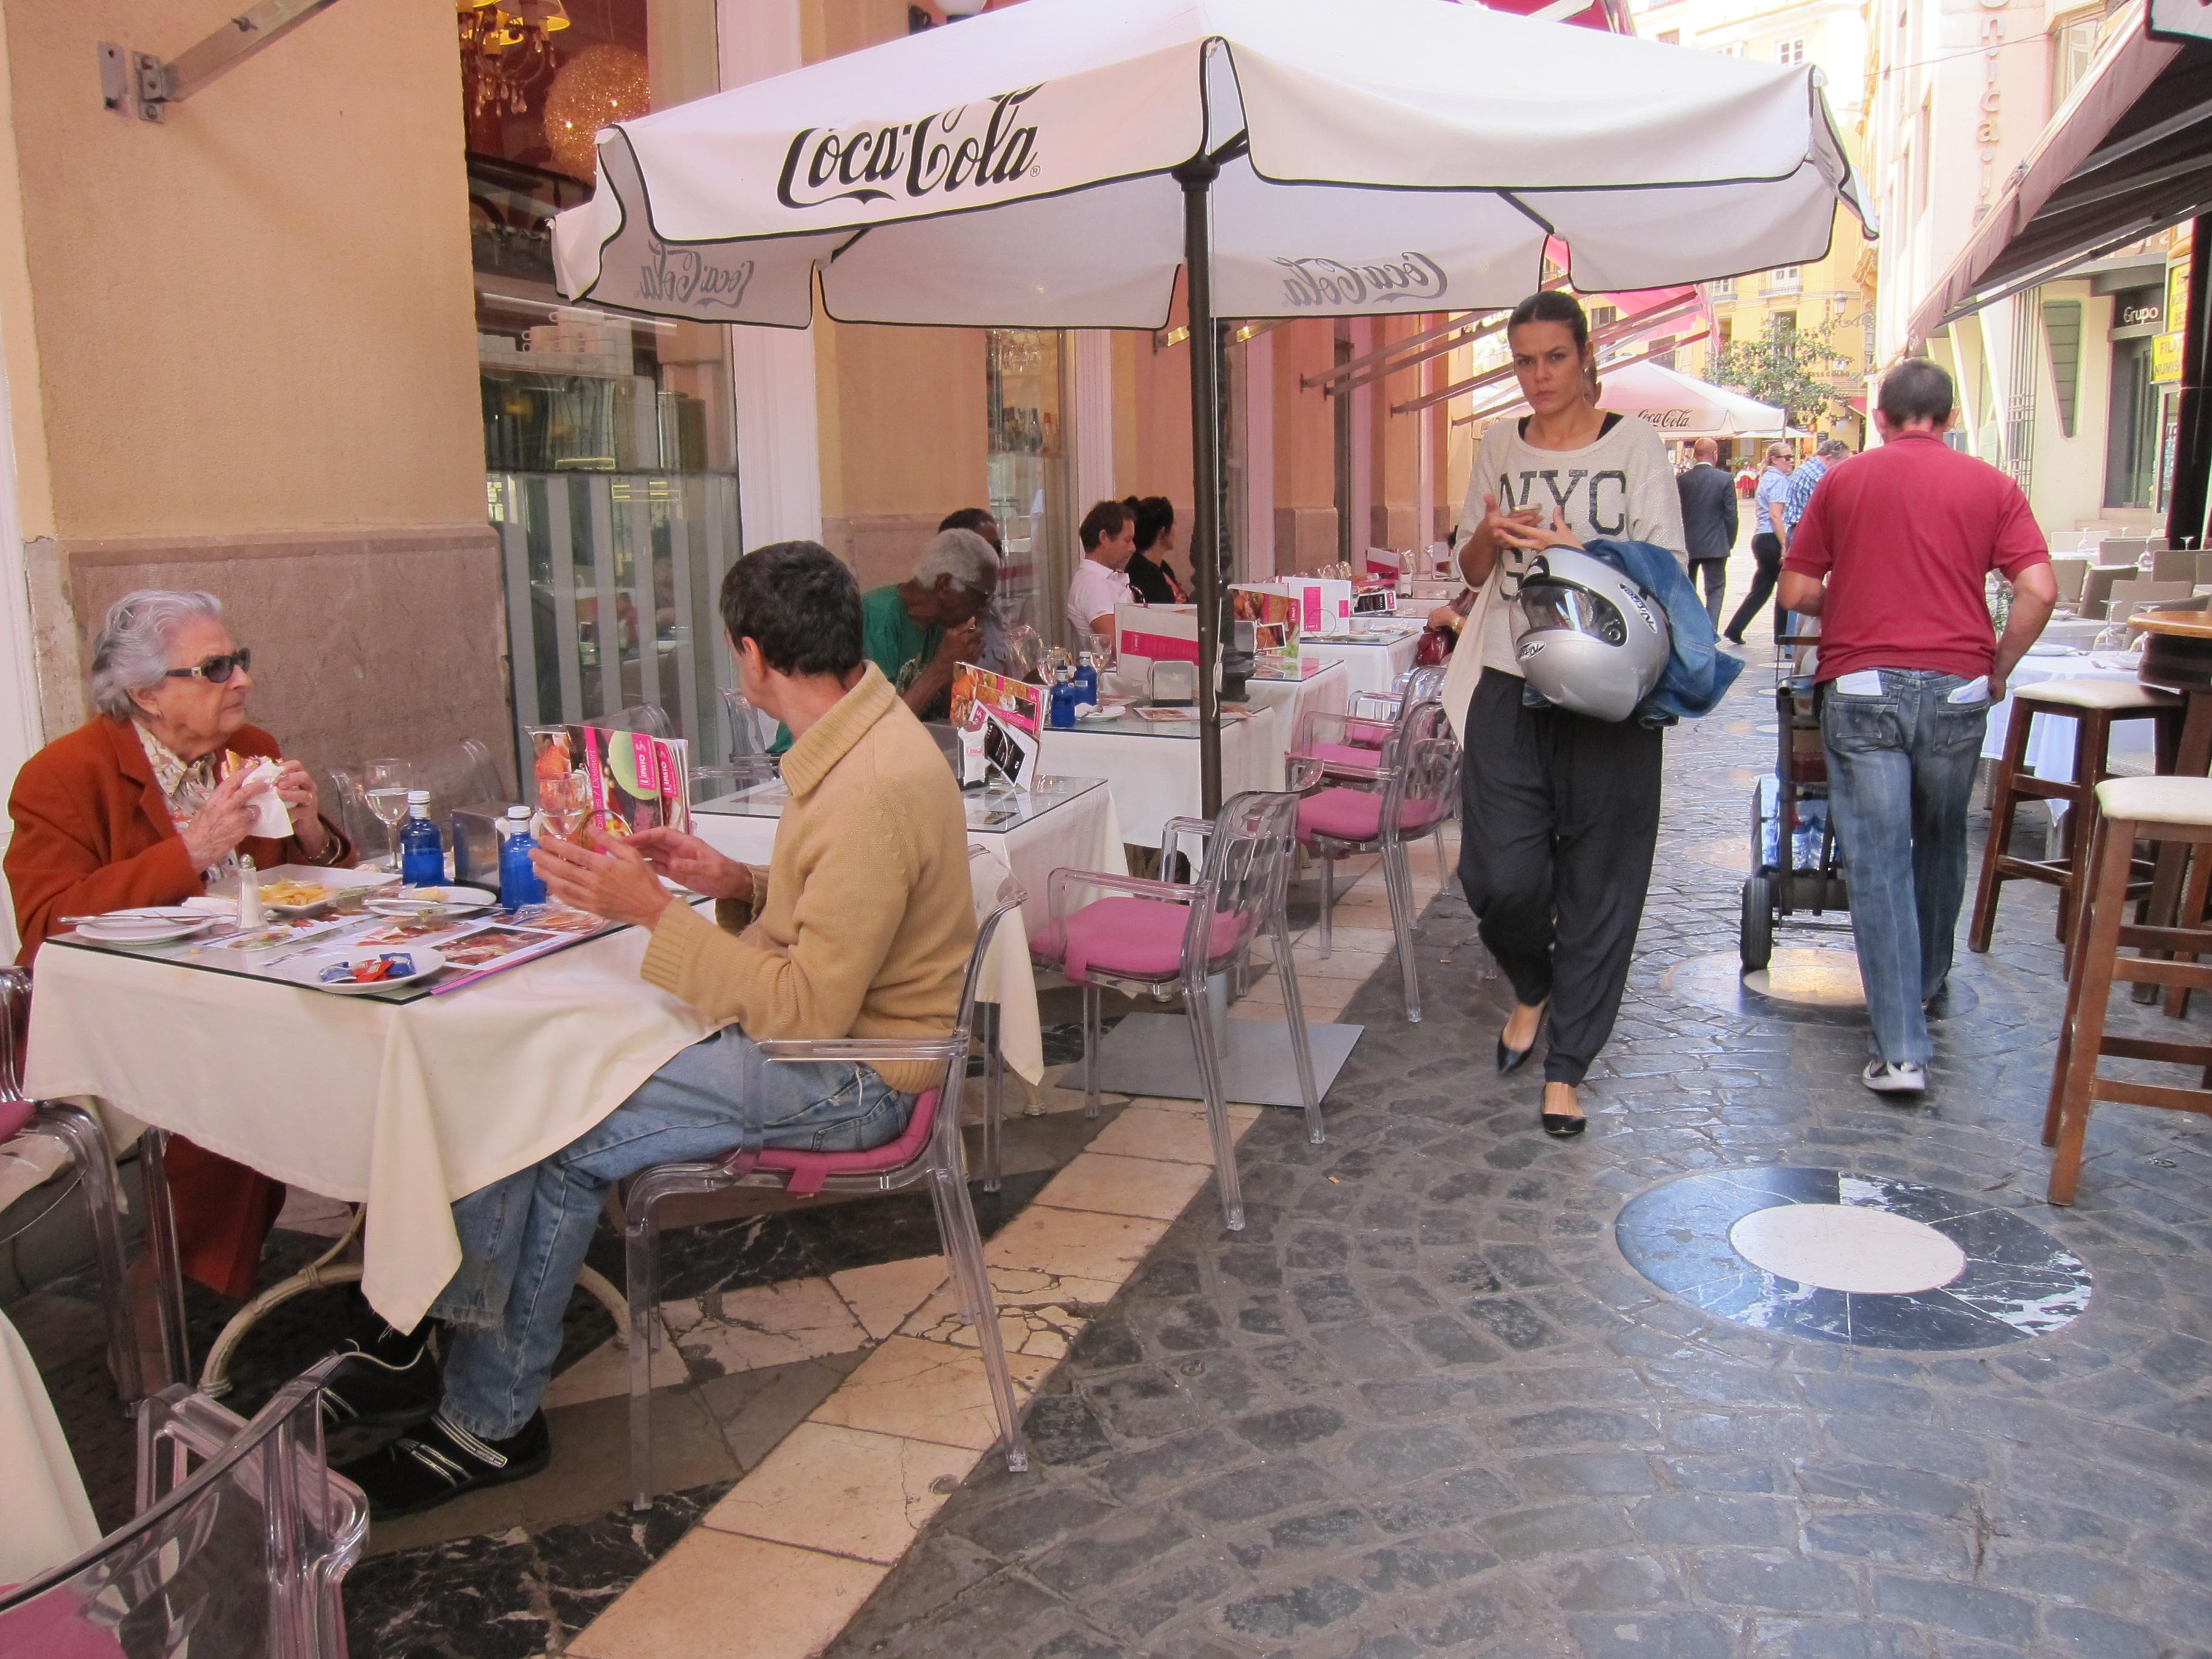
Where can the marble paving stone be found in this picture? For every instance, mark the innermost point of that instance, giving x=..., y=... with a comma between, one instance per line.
x=1039, y=1313
x=926, y=1391
x=1113, y=1185
x=844, y=1490
x=1145, y=1130
x=605, y=1370
x=788, y=1602
x=764, y=1325
x=881, y=1297
x=1074, y=1243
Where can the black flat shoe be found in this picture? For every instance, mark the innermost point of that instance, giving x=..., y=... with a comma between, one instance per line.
x=1564, y=1126
x=1511, y=1059
x=419, y=1471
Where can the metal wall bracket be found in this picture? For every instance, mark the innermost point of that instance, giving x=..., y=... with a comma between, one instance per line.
x=141, y=84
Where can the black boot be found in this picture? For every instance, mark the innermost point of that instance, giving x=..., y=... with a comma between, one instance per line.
x=419, y=1471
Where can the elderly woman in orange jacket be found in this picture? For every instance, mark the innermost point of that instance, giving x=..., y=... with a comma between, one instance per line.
x=133, y=808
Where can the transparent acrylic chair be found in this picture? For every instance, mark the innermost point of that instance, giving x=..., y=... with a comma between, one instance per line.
x=750, y=731
x=929, y=1152
x=460, y=774
x=1377, y=715
x=1412, y=790
x=92, y=1168
x=649, y=718
x=1163, y=937
x=242, y=1537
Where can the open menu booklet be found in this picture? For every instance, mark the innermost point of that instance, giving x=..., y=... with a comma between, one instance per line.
x=473, y=946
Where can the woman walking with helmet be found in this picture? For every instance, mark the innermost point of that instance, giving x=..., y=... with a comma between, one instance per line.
x=1561, y=798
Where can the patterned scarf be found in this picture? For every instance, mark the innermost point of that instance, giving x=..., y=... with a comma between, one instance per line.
x=187, y=785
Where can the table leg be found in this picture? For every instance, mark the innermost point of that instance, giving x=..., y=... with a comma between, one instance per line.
x=161, y=1248
x=2192, y=759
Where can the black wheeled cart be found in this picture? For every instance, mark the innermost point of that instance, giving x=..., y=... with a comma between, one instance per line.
x=1795, y=875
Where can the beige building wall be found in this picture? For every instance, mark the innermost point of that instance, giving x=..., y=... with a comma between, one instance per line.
x=241, y=354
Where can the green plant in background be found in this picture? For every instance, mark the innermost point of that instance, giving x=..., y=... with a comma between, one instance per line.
x=1787, y=366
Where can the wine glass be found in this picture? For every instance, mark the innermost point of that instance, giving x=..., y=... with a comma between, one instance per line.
x=386, y=791
x=564, y=803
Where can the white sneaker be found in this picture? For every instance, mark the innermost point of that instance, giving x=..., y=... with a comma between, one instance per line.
x=1885, y=1078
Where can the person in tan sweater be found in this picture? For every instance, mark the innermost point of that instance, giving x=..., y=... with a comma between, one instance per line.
x=862, y=925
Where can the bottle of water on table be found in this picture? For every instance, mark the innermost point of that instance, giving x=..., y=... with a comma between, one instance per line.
x=518, y=882
x=421, y=849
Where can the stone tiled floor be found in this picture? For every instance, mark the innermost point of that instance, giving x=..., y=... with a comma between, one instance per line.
x=1421, y=1404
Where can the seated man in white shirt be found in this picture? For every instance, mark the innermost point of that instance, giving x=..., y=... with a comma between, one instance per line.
x=1109, y=534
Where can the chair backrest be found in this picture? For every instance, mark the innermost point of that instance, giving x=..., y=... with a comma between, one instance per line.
x=713, y=782
x=750, y=731
x=2173, y=564
x=2147, y=592
x=649, y=718
x=1424, y=785
x=2064, y=541
x=15, y=1029
x=2121, y=549
x=2097, y=586
x=460, y=774
x=241, y=1538
x=2069, y=571
x=2204, y=568
x=1242, y=882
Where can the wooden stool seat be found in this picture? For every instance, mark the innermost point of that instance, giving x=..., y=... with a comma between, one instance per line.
x=2094, y=706
x=2170, y=811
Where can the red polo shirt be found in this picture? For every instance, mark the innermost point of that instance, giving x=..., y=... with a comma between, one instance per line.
x=1904, y=535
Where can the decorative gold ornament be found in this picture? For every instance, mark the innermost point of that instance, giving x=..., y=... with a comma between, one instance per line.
x=597, y=88
x=503, y=50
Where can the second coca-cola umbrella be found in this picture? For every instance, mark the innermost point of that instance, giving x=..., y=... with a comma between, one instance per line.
x=1056, y=164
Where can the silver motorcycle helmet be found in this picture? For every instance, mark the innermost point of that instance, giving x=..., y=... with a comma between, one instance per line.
x=1587, y=637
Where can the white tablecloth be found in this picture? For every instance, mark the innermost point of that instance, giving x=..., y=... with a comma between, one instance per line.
x=1008, y=979
x=1371, y=667
x=407, y=1107
x=2051, y=746
x=1328, y=692
x=49, y=1520
x=1155, y=778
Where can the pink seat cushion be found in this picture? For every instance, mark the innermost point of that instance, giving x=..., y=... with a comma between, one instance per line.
x=1356, y=816
x=57, y=1626
x=808, y=1170
x=1367, y=734
x=1347, y=754
x=1130, y=937
x=15, y=1118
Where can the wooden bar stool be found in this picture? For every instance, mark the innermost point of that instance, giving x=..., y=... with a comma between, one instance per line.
x=2173, y=813
x=2094, y=706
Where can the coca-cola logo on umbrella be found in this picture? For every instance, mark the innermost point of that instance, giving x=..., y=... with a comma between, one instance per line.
x=954, y=150
x=685, y=276
x=1320, y=282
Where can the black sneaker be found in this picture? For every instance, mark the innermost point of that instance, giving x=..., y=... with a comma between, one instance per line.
x=389, y=1382
x=419, y=1471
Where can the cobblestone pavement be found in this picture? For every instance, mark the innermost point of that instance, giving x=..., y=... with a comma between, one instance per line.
x=1421, y=1404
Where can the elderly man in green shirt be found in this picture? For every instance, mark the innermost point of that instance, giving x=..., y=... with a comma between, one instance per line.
x=918, y=630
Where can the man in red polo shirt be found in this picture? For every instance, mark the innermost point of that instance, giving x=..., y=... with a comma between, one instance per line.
x=1903, y=537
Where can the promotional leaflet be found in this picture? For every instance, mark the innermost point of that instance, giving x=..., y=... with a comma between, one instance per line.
x=1000, y=718
x=1275, y=625
x=636, y=782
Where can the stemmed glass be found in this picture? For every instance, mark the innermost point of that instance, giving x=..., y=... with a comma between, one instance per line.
x=564, y=802
x=386, y=791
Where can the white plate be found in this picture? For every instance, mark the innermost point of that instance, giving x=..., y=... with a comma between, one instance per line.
x=151, y=926
x=307, y=970
x=414, y=901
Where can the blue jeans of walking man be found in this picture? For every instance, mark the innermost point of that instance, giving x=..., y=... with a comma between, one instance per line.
x=522, y=1239
x=1900, y=778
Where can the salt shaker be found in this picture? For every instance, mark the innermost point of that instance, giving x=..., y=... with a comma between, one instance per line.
x=250, y=913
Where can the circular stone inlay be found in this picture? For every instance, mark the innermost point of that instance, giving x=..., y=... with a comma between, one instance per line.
x=1848, y=1247
x=1834, y=1256
x=1804, y=984
x=1817, y=975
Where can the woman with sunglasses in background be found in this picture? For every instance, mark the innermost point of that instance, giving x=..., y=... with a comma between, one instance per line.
x=136, y=807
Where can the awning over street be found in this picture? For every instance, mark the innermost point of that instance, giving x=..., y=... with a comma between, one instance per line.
x=2128, y=154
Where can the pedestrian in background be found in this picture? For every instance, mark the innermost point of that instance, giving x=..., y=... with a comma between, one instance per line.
x=1892, y=555
x=1767, y=506
x=1709, y=521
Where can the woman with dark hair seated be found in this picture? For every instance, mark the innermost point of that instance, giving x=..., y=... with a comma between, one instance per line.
x=1149, y=572
x=145, y=803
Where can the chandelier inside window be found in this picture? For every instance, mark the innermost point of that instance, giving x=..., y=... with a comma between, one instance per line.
x=504, y=51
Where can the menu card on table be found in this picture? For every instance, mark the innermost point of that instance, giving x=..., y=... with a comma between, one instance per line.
x=636, y=781
x=1276, y=620
x=999, y=718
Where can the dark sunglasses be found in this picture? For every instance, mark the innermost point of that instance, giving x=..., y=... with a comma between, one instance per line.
x=216, y=670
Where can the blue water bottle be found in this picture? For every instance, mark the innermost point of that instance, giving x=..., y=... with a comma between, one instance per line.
x=421, y=849
x=1061, y=713
x=518, y=882
x=1086, y=680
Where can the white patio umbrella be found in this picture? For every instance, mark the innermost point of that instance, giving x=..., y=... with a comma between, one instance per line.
x=1681, y=405
x=1055, y=165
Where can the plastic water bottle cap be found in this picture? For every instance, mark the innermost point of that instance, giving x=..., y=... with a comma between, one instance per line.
x=518, y=814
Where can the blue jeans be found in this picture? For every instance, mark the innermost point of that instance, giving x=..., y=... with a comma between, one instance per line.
x=522, y=1239
x=1900, y=776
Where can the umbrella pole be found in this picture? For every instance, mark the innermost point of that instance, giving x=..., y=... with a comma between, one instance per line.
x=2193, y=434
x=1196, y=176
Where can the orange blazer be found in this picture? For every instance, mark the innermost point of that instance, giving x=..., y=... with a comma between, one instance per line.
x=93, y=831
